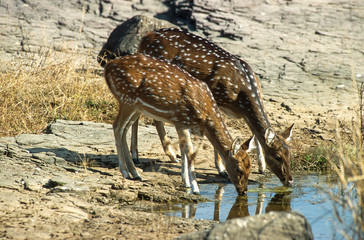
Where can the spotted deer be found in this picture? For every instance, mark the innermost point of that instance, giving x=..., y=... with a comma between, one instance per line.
x=164, y=92
x=235, y=87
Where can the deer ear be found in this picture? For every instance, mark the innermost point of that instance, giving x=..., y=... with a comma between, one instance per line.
x=287, y=134
x=236, y=146
x=250, y=145
x=269, y=136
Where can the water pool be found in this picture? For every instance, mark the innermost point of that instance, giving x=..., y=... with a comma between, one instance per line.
x=309, y=196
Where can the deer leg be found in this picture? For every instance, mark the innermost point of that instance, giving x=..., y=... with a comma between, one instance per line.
x=166, y=142
x=184, y=166
x=260, y=157
x=188, y=174
x=220, y=165
x=129, y=160
x=134, y=142
x=191, y=156
x=119, y=128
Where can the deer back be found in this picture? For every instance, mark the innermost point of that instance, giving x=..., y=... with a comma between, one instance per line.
x=164, y=91
x=233, y=83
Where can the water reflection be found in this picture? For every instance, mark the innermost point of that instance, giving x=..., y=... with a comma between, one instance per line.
x=189, y=210
x=218, y=197
x=306, y=197
x=240, y=208
x=260, y=200
x=279, y=202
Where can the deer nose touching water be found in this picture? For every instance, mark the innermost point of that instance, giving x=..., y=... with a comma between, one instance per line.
x=235, y=87
x=164, y=92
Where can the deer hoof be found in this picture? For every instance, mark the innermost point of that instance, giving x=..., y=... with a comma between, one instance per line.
x=136, y=160
x=137, y=179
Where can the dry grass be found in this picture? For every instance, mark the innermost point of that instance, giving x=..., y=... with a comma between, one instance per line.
x=37, y=89
x=347, y=160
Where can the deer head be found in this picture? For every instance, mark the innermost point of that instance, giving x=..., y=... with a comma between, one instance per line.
x=278, y=154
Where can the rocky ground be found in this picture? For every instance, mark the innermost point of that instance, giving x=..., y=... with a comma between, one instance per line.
x=64, y=184
x=44, y=196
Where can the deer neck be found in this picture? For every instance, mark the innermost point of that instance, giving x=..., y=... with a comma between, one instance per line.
x=258, y=123
x=250, y=108
x=250, y=101
x=219, y=137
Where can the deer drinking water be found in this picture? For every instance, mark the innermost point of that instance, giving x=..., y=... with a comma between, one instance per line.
x=234, y=86
x=167, y=93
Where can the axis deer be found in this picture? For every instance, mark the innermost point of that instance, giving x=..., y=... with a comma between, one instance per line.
x=235, y=87
x=167, y=93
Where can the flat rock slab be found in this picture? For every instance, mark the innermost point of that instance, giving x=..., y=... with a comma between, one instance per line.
x=77, y=140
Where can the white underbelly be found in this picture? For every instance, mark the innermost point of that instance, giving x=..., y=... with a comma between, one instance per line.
x=153, y=112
